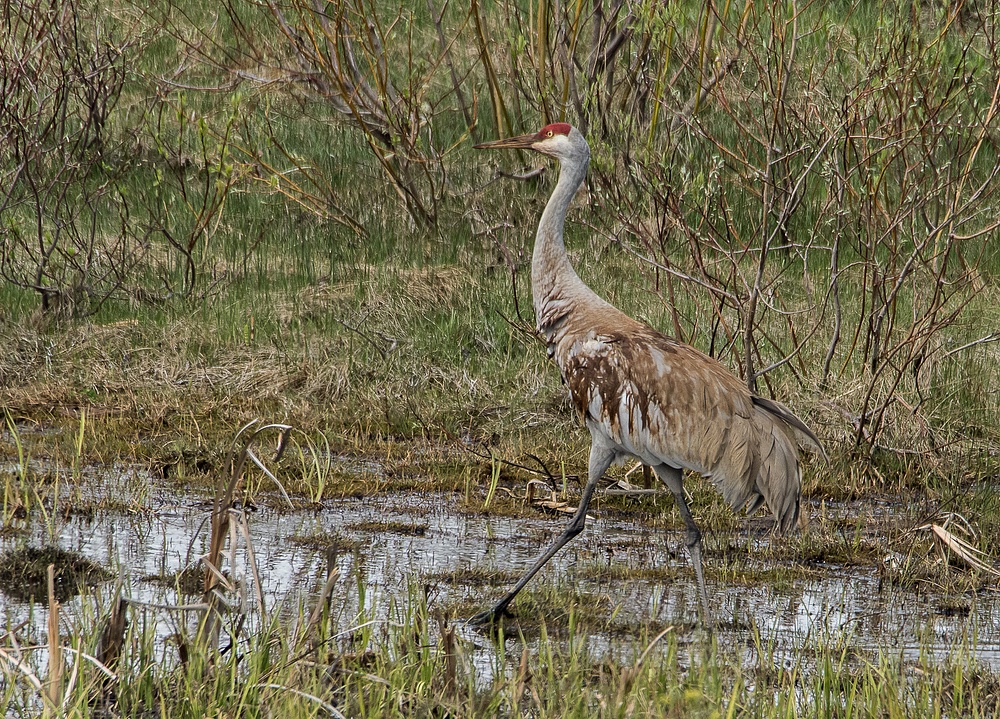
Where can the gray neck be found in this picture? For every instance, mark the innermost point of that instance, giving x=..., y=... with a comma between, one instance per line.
x=551, y=272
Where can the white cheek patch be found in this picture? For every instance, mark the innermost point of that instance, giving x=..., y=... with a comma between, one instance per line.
x=560, y=143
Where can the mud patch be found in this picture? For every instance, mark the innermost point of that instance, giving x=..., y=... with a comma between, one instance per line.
x=325, y=541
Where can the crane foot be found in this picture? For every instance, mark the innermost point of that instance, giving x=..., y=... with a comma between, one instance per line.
x=489, y=618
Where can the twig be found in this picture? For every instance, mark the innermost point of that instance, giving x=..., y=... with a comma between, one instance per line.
x=327, y=707
x=470, y=122
x=244, y=528
x=322, y=599
x=26, y=671
x=992, y=337
x=544, y=472
x=529, y=175
x=54, y=688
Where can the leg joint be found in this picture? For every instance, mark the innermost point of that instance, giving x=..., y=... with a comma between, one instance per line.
x=692, y=537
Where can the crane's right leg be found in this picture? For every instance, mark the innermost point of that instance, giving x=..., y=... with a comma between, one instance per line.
x=601, y=457
x=672, y=477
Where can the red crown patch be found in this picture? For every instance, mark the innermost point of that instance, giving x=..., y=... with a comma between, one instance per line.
x=556, y=128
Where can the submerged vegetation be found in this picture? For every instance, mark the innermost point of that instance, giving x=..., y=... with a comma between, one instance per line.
x=211, y=213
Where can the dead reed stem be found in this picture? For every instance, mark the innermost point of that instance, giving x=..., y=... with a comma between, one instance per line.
x=53, y=688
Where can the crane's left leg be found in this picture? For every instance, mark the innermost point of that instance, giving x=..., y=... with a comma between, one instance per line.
x=601, y=456
x=672, y=477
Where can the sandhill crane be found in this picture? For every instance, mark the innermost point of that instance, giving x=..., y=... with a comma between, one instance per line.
x=645, y=395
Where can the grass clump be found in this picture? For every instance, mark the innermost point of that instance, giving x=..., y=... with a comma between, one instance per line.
x=410, y=529
x=325, y=541
x=188, y=582
x=24, y=572
x=474, y=577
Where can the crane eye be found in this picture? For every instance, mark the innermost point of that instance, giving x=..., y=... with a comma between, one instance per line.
x=549, y=133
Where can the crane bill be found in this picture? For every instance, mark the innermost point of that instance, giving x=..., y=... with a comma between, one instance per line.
x=521, y=142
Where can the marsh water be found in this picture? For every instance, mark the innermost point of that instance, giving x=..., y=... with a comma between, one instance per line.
x=396, y=546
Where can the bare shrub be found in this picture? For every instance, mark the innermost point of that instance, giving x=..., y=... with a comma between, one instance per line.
x=832, y=202
x=68, y=232
x=809, y=195
x=359, y=63
x=195, y=174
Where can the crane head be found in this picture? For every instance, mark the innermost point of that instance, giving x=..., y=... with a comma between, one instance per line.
x=556, y=140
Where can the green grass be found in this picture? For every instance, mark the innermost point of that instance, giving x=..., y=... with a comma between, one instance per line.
x=409, y=668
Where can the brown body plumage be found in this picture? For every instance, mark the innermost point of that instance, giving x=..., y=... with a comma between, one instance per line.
x=661, y=401
x=645, y=395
